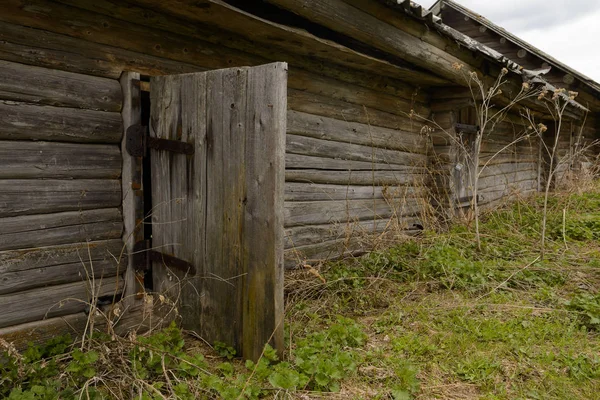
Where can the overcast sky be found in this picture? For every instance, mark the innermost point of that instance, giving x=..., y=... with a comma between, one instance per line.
x=568, y=30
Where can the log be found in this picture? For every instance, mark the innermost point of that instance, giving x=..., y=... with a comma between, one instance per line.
x=53, y=301
x=411, y=25
x=343, y=211
x=20, y=159
x=299, y=161
x=338, y=109
x=320, y=127
x=318, y=192
x=508, y=169
x=363, y=230
x=309, y=146
x=352, y=93
x=496, y=180
x=140, y=317
x=375, y=178
x=243, y=30
x=27, y=269
x=36, y=196
x=321, y=252
x=31, y=84
x=37, y=47
x=106, y=30
x=59, y=228
x=47, y=49
x=20, y=121
x=352, y=22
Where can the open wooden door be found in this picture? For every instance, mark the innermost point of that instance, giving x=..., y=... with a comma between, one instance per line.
x=220, y=209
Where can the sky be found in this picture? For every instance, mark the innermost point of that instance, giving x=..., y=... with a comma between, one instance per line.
x=568, y=30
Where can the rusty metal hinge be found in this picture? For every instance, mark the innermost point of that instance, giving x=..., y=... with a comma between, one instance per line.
x=143, y=255
x=138, y=141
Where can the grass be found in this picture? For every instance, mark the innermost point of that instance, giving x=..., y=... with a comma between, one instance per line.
x=431, y=318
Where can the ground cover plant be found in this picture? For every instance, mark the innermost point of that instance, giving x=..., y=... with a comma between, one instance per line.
x=431, y=317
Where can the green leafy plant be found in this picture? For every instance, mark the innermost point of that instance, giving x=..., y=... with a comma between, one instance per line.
x=587, y=306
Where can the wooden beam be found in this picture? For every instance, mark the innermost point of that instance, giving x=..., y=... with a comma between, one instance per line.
x=20, y=159
x=53, y=301
x=325, y=106
x=346, y=151
x=132, y=186
x=142, y=316
x=316, y=126
x=362, y=230
x=37, y=196
x=54, y=265
x=377, y=178
x=21, y=121
x=31, y=84
x=295, y=191
x=45, y=48
x=342, y=211
x=275, y=41
x=344, y=18
x=300, y=161
x=59, y=228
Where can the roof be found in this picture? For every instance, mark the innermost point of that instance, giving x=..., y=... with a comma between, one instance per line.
x=432, y=20
x=436, y=10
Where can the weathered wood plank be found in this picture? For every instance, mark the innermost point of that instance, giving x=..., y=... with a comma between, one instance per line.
x=20, y=121
x=414, y=27
x=272, y=41
x=31, y=84
x=20, y=159
x=320, y=127
x=508, y=169
x=376, y=178
x=53, y=301
x=352, y=93
x=37, y=196
x=59, y=228
x=309, y=146
x=496, y=180
x=299, y=161
x=106, y=30
x=364, y=230
x=350, y=21
x=295, y=191
x=47, y=49
x=132, y=186
x=30, y=268
x=316, y=104
x=320, y=252
x=231, y=227
x=38, y=47
x=343, y=211
x=265, y=126
x=139, y=317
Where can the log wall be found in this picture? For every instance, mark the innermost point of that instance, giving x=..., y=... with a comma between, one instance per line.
x=356, y=165
x=508, y=170
x=508, y=161
x=355, y=160
x=60, y=222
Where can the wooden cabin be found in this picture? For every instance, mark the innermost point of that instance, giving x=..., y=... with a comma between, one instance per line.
x=363, y=80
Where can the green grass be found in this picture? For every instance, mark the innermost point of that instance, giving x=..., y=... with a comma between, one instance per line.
x=447, y=321
x=430, y=318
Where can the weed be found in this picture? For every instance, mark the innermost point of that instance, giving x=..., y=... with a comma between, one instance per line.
x=587, y=306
